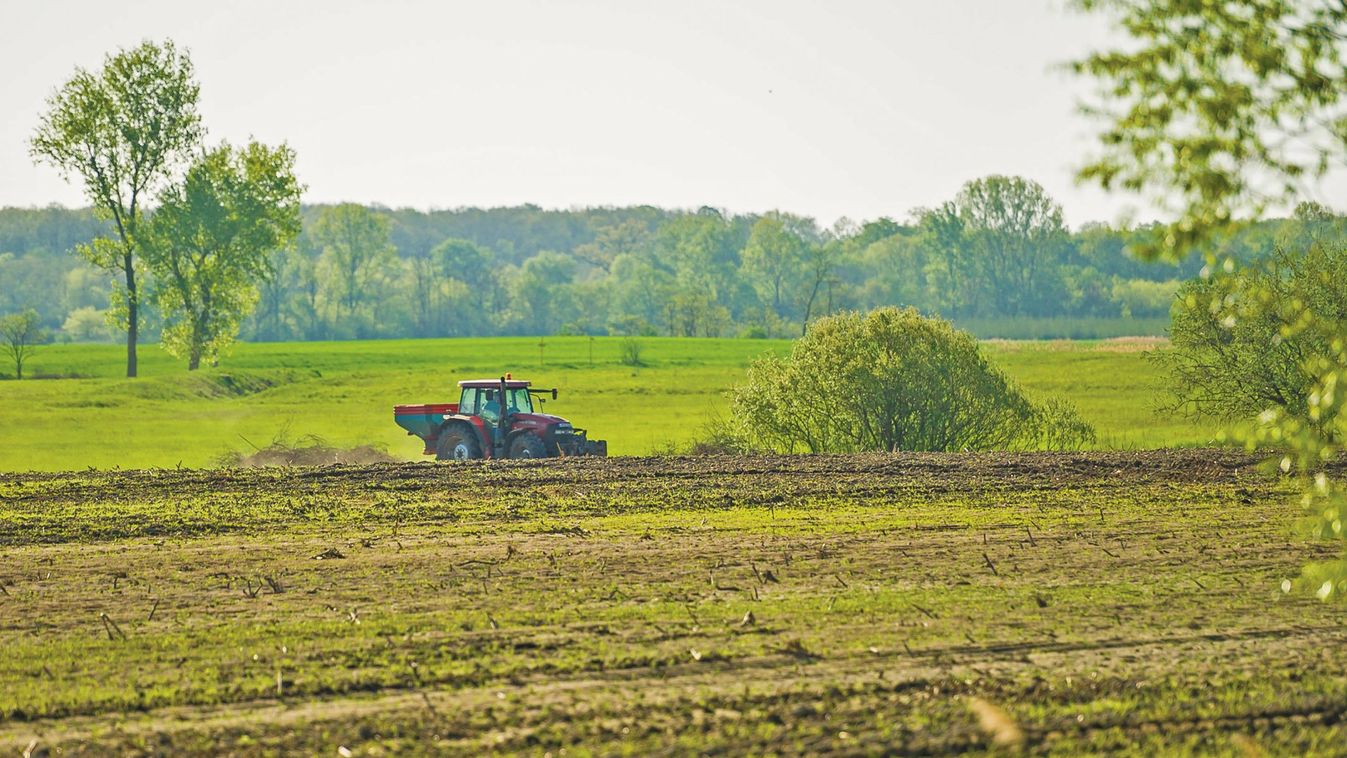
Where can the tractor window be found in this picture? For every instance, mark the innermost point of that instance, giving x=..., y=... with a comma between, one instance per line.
x=478, y=401
x=468, y=404
x=520, y=402
x=488, y=407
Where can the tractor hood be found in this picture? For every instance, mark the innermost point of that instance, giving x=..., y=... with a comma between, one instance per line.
x=537, y=420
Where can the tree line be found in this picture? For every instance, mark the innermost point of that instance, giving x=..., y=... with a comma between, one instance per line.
x=371, y=272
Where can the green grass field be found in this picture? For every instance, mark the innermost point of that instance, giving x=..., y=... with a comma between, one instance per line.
x=344, y=392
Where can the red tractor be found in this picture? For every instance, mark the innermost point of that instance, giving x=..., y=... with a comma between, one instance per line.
x=480, y=425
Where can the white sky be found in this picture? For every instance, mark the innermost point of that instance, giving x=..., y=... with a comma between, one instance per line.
x=846, y=108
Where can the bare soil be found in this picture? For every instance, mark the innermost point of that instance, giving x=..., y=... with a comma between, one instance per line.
x=851, y=605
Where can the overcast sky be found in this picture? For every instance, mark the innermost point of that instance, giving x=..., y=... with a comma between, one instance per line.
x=847, y=108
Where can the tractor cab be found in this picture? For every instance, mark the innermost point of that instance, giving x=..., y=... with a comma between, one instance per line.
x=483, y=398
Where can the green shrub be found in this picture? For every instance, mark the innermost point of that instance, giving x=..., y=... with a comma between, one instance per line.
x=891, y=380
x=630, y=352
x=1236, y=352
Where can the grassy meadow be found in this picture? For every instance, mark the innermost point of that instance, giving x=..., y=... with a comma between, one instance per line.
x=343, y=392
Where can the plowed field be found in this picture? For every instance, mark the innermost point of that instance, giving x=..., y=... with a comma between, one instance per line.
x=894, y=605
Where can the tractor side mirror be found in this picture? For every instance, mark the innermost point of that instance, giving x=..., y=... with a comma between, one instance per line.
x=554, y=393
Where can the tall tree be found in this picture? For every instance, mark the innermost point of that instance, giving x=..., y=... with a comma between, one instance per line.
x=1008, y=236
x=541, y=293
x=887, y=270
x=302, y=269
x=455, y=290
x=774, y=257
x=611, y=241
x=639, y=292
x=356, y=253
x=952, y=283
x=819, y=276
x=696, y=257
x=121, y=131
x=209, y=240
x=476, y=267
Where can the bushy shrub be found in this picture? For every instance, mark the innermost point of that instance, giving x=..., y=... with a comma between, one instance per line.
x=891, y=380
x=629, y=352
x=1234, y=352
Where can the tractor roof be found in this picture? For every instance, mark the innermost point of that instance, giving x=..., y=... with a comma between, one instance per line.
x=513, y=384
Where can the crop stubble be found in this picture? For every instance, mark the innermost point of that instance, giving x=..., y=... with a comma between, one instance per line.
x=849, y=604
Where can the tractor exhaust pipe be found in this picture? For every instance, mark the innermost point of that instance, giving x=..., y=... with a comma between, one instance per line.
x=503, y=422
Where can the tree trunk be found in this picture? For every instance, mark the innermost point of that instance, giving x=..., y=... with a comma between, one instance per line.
x=132, y=315
x=199, y=322
x=809, y=308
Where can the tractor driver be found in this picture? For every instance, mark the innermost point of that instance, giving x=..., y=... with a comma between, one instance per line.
x=490, y=410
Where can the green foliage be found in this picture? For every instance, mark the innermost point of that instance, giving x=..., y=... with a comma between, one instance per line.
x=892, y=380
x=209, y=240
x=631, y=352
x=1057, y=425
x=356, y=266
x=455, y=273
x=999, y=236
x=1234, y=359
x=1230, y=108
x=19, y=337
x=121, y=131
x=773, y=255
x=688, y=275
x=1310, y=444
x=52, y=284
x=457, y=290
x=540, y=292
x=1224, y=107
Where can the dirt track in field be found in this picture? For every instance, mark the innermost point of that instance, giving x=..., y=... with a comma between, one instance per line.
x=1103, y=601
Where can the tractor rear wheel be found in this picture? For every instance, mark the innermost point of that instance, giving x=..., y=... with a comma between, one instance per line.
x=457, y=444
x=528, y=445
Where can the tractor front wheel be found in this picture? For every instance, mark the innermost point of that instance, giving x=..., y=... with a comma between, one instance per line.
x=457, y=444
x=528, y=445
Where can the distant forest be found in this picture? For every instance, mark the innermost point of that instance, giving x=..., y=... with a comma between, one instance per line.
x=997, y=254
